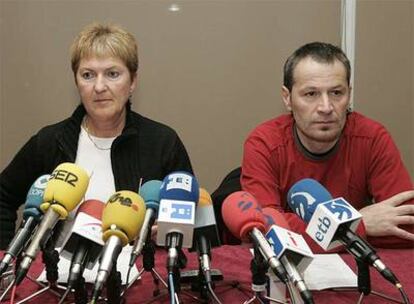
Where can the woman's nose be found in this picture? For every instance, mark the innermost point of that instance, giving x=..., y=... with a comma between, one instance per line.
x=100, y=84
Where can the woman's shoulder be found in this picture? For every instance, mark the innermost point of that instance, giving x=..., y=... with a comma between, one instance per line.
x=150, y=126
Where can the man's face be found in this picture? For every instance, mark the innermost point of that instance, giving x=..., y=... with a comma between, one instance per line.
x=318, y=100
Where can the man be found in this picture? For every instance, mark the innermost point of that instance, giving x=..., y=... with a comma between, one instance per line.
x=350, y=154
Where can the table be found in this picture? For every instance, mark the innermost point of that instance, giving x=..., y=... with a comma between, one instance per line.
x=234, y=261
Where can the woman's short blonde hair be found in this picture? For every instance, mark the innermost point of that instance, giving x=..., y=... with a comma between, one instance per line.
x=103, y=40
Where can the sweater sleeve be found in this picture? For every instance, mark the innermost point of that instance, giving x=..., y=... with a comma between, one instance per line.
x=15, y=181
x=388, y=177
x=177, y=158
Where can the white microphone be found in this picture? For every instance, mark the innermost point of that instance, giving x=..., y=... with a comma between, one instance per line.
x=332, y=222
x=291, y=249
x=84, y=243
x=179, y=194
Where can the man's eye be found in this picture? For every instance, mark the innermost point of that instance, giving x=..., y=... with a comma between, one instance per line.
x=337, y=93
x=113, y=74
x=310, y=94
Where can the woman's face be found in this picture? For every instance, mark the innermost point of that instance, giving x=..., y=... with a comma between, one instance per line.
x=104, y=85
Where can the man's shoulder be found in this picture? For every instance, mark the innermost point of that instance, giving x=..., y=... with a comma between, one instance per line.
x=359, y=125
x=275, y=127
x=273, y=132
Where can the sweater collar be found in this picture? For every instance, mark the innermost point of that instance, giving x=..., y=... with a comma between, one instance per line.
x=69, y=136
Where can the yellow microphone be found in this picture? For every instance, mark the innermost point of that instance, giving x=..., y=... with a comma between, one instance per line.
x=64, y=191
x=122, y=219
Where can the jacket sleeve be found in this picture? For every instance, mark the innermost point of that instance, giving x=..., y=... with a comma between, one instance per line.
x=15, y=181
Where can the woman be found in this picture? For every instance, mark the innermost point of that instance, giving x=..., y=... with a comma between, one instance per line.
x=118, y=147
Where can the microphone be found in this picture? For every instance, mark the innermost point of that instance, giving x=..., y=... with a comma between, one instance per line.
x=150, y=192
x=244, y=218
x=332, y=222
x=176, y=216
x=291, y=249
x=64, y=190
x=31, y=216
x=122, y=218
x=205, y=232
x=85, y=243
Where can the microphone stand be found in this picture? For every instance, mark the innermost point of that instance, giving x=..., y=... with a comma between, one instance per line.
x=260, y=280
x=364, y=283
x=148, y=264
x=50, y=258
x=114, y=286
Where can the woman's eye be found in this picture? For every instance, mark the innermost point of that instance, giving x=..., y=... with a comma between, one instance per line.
x=86, y=75
x=113, y=74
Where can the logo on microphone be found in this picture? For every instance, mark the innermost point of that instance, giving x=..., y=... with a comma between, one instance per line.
x=302, y=201
x=181, y=211
x=340, y=208
x=65, y=176
x=125, y=201
x=179, y=181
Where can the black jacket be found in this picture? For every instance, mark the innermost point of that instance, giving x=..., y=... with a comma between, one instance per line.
x=145, y=149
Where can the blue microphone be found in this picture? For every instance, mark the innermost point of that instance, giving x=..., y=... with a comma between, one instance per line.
x=305, y=195
x=150, y=192
x=332, y=222
x=31, y=216
x=179, y=195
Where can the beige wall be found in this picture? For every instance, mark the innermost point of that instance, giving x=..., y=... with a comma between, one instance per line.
x=384, y=69
x=212, y=70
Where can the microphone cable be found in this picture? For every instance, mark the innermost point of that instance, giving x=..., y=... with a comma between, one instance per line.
x=403, y=293
x=172, y=288
x=213, y=294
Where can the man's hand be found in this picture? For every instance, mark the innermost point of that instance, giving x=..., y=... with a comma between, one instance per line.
x=383, y=218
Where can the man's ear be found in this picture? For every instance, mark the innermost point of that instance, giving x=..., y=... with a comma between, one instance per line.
x=286, y=98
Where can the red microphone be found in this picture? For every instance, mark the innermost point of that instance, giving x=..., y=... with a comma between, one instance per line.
x=274, y=217
x=245, y=220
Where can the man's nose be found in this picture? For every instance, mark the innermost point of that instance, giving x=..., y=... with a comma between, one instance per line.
x=325, y=104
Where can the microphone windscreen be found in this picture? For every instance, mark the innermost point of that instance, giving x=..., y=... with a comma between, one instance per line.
x=305, y=195
x=204, y=198
x=180, y=186
x=34, y=198
x=123, y=216
x=65, y=189
x=241, y=213
x=274, y=217
x=150, y=192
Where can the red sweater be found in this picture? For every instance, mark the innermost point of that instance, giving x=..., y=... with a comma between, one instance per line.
x=364, y=167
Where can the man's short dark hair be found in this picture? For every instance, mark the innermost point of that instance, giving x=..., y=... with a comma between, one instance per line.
x=319, y=51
